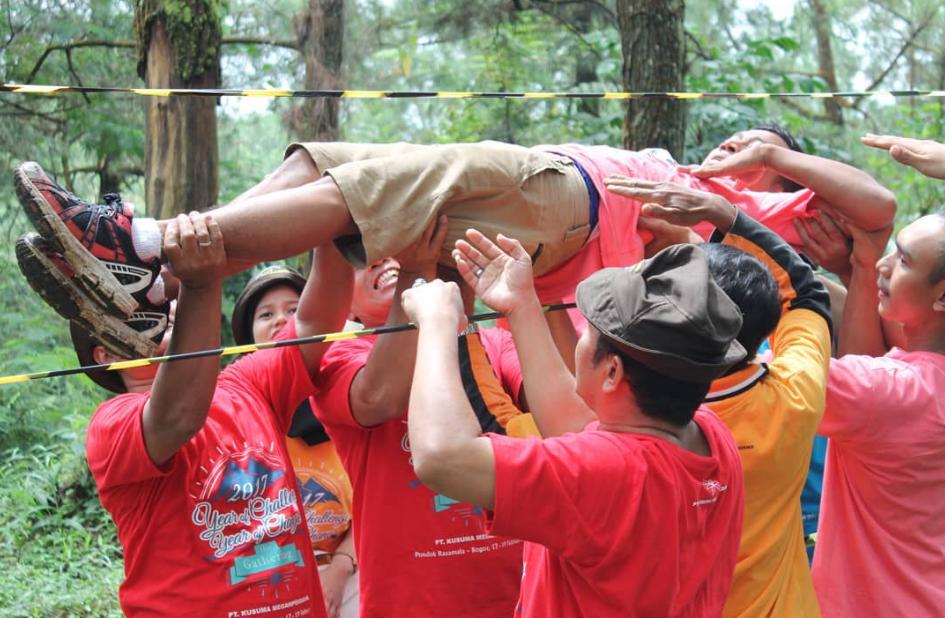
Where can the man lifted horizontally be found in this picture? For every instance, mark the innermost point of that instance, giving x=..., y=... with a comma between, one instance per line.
x=374, y=200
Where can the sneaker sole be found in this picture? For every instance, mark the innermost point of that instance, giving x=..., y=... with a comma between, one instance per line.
x=60, y=293
x=90, y=274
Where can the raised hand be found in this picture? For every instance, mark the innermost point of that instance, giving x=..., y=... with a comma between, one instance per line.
x=435, y=302
x=421, y=256
x=925, y=155
x=746, y=167
x=825, y=242
x=674, y=203
x=500, y=272
x=868, y=247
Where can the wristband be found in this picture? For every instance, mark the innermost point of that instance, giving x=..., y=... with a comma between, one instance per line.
x=354, y=564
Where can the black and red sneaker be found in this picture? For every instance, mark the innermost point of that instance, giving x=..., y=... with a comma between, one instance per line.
x=94, y=239
x=51, y=276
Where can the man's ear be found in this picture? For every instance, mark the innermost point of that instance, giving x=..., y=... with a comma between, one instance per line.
x=939, y=304
x=614, y=376
x=101, y=356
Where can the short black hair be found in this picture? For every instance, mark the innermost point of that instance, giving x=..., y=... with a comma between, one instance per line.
x=658, y=396
x=938, y=272
x=752, y=287
x=789, y=185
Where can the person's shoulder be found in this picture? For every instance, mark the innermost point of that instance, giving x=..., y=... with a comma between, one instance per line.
x=716, y=432
x=895, y=362
x=350, y=350
x=927, y=359
x=117, y=407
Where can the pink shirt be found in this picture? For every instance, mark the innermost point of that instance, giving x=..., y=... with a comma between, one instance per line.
x=617, y=241
x=881, y=542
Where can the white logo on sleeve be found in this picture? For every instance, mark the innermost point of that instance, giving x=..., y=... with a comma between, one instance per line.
x=714, y=489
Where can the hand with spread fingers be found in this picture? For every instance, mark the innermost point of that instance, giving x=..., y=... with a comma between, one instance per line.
x=925, y=155
x=435, y=302
x=674, y=203
x=746, y=166
x=825, y=242
x=193, y=245
x=500, y=272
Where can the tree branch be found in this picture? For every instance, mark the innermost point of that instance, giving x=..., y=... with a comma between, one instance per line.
x=571, y=28
x=130, y=170
x=259, y=40
x=66, y=47
x=603, y=8
x=122, y=44
x=803, y=111
x=902, y=50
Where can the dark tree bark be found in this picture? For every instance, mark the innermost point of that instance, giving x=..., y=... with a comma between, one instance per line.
x=832, y=108
x=320, y=32
x=179, y=47
x=654, y=54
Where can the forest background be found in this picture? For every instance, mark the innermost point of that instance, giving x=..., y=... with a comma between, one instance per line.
x=59, y=555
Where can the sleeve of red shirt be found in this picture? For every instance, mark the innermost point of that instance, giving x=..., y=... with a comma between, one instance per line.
x=340, y=364
x=279, y=374
x=114, y=443
x=550, y=492
x=861, y=391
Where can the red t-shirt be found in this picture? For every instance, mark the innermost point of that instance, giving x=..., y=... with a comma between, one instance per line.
x=420, y=553
x=621, y=524
x=617, y=242
x=219, y=529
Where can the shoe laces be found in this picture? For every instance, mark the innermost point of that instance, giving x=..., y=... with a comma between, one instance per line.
x=113, y=200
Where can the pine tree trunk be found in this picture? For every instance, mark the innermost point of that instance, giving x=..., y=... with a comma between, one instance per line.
x=320, y=32
x=179, y=47
x=652, y=38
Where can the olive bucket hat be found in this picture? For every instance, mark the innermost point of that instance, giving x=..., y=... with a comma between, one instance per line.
x=245, y=306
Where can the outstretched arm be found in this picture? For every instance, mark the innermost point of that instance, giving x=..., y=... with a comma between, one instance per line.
x=861, y=331
x=842, y=189
x=182, y=391
x=324, y=302
x=925, y=155
x=449, y=454
x=501, y=274
x=380, y=390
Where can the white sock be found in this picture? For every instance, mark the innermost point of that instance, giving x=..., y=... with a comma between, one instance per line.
x=156, y=293
x=146, y=238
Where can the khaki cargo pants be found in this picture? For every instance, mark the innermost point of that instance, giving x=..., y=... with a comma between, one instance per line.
x=393, y=191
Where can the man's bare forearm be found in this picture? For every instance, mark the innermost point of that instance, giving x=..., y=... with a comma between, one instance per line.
x=182, y=391
x=861, y=331
x=848, y=191
x=549, y=385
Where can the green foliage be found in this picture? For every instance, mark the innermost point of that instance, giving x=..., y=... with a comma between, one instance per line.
x=58, y=552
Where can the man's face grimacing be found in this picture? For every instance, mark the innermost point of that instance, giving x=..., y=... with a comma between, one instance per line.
x=911, y=279
x=769, y=181
x=374, y=289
